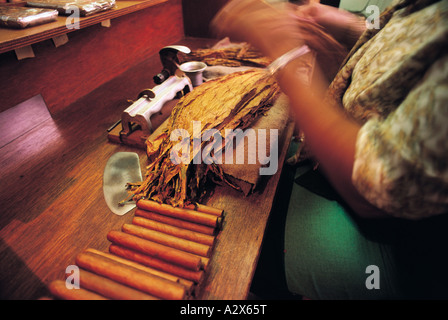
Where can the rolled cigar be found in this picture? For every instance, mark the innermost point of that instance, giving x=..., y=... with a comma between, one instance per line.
x=168, y=240
x=130, y=276
x=174, y=231
x=206, y=209
x=149, y=261
x=180, y=213
x=60, y=291
x=157, y=250
x=109, y=288
x=176, y=222
x=187, y=283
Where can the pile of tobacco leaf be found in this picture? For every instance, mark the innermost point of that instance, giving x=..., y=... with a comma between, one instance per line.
x=229, y=102
x=230, y=56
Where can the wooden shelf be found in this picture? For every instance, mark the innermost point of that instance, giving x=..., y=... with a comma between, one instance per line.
x=11, y=39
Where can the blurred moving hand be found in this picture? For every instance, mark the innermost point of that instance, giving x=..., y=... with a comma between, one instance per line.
x=276, y=29
x=344, y=26
x=272, y=29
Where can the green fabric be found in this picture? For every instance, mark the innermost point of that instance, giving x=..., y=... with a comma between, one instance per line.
x=324, y=245
x=327, y=249
x=316, y=248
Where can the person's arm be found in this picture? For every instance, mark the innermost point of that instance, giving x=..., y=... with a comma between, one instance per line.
x=331, y=136
x=344, y=26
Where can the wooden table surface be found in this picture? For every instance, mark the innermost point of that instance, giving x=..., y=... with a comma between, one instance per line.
x=52, y=204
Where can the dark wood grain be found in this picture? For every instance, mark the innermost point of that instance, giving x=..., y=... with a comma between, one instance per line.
x=52, y=205
x=238, y=245
x=11, y=39
x=93, y=55
x=198, y=15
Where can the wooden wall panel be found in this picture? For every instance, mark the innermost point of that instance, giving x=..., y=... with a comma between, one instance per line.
x=92, y=57
x=198, y=14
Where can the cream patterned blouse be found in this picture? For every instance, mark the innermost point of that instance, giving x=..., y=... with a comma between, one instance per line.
x=396, y=86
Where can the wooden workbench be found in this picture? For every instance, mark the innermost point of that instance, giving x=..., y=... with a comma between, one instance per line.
x=52, y=204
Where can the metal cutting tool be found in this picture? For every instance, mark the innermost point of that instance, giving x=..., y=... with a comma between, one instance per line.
x=136, y=124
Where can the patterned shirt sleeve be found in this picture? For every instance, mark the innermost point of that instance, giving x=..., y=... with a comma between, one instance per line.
x=401, y=162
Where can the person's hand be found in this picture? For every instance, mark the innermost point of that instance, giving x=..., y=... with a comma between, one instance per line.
x=272, y=29
x=344, y=26
x=275, y=30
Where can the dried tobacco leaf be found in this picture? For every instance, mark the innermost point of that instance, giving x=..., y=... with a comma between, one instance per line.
x=229, y=102
x=232, y=56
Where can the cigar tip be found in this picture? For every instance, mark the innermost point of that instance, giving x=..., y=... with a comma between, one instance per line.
x=219, y=223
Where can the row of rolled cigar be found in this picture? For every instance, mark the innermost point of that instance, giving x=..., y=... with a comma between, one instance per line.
x=162, y=254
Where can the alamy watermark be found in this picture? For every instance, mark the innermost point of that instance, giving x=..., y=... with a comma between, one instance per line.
x=72, y=280
x=373, y=280
x=373, y=20
x=209, y=147
x=72, y=21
